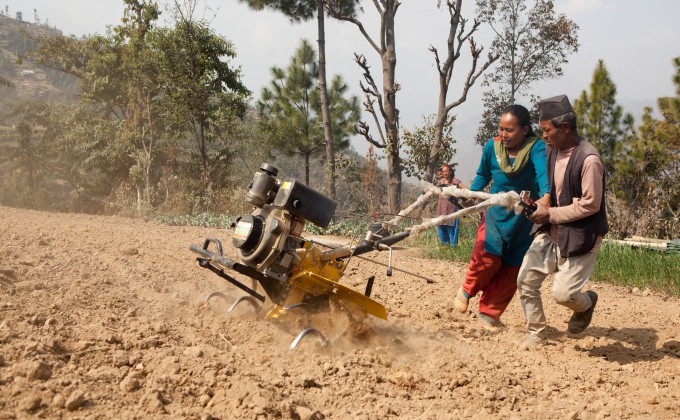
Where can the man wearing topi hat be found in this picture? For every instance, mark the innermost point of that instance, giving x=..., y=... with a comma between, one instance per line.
x=570, y=231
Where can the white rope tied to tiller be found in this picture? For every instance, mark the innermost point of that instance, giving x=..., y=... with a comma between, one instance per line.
x=510, y=200
x=430, y=191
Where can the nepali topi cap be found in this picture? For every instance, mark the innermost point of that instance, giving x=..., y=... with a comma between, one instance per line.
x=554, y=107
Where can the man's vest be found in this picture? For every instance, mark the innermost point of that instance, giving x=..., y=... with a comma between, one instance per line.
x=577, y=237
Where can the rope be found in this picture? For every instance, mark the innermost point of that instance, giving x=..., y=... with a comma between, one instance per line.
x=424, y=198
x=509, y=200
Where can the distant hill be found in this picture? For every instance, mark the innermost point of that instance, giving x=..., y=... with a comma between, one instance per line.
x=31, y=82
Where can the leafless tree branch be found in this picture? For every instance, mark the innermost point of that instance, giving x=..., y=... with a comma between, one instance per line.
x=368, y=106
x=433, y=50
x=373, y=87
x=362, y=129
x=472, y=76
x=335, y=12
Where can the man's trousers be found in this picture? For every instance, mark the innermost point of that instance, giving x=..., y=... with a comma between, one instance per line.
x=542, y=259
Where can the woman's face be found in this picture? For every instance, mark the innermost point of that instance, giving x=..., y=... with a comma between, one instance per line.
x=446, y=173
x=511, y=133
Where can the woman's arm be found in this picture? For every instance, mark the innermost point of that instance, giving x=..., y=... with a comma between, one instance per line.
x=483, y=176
x=540, y=162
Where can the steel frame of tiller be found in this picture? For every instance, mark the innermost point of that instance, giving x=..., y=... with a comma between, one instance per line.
x=216, y=262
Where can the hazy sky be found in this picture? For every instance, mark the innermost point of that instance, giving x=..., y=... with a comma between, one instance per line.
x=637, y=41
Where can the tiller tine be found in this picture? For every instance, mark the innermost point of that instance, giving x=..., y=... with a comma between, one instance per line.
x=249, y=299
x=218, y=294
x=324, y=340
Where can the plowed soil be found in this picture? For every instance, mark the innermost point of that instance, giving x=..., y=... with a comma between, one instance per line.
x=105, y=317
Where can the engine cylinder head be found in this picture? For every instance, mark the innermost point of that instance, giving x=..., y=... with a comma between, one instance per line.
x=263, y=186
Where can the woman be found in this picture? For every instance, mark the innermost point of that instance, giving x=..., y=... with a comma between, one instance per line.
x=448, y=233
x=515, y=160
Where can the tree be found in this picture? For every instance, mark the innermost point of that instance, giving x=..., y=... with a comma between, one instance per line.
x=302, y=10
x=166, y=86
x=201, y=90
x=420, y=143
x=533, y=44
x=118, y=75
x=600, y=118
x=6, y=83
x=385, y=98
x=456, y=39
x=649, y=169
x=86, y=152
x=344, y=112
x=370, y=181
x=291, y=109
x=32, y=154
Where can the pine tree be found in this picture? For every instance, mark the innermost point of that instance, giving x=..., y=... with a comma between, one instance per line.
x=302, y=10
x=601, y=120
x=649, y=168
x=291, y=108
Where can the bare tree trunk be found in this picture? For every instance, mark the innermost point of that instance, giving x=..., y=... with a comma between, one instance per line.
x=385, y=97
x=457, y=37
x=307, y=170
x=325, y=110
x=148, y=150
x=139, y=202
x=394, y=168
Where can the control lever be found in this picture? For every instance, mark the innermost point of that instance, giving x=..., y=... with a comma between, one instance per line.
x=383, y=247
x=389, y=263
x=528, y=204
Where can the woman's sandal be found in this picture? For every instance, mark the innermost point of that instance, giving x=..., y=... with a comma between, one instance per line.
x=460, y=303
x=489, y=324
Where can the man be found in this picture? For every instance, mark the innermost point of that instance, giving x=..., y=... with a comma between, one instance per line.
x=570, y=231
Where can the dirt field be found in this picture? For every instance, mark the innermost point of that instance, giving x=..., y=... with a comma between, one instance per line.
x=104, y=317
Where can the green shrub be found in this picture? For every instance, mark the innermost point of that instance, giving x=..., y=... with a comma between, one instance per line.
x=203, y=219
x=350, y=228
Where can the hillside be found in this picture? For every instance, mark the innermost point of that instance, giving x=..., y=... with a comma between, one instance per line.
x=31, y=82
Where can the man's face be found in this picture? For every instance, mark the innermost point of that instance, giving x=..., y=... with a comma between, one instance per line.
x=554, y=136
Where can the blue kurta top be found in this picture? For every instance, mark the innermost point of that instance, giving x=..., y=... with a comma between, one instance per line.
x=507, y=234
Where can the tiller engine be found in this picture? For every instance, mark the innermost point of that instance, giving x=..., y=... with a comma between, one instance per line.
x=294, y=272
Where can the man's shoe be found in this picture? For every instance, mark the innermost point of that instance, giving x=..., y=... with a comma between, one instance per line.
x=579, y=321
x=531, y=342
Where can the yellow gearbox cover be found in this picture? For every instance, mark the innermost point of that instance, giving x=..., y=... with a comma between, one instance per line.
x=317, y=285
x=321, y=278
